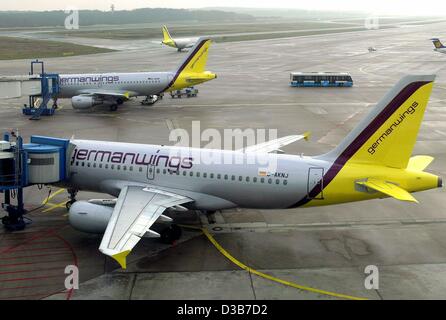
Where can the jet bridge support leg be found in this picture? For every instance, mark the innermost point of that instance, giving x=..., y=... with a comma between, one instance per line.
x=14, y=221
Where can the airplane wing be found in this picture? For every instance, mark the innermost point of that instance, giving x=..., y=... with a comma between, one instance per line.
x=275, y=145
x=135, y=212
x=388, y=189
x=105, y=93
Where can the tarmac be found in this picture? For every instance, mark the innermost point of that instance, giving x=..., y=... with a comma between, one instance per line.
x=326, y=248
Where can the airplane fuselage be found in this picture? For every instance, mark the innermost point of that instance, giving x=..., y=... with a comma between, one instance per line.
x=136, y=84
x=441, y=50
x=218, y=179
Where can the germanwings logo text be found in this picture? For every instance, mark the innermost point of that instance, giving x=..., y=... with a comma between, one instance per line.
x=172, y=162
x=104, y=79
x=410, y=111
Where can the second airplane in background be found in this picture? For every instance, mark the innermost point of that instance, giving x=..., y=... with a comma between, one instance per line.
x=113, y=89
x=439, y=47
x=180, y=44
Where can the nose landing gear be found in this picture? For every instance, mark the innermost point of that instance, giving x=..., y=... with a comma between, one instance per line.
x=72, y=200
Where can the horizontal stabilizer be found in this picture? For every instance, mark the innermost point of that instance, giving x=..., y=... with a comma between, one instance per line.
x=389, y=189
x=419, y=163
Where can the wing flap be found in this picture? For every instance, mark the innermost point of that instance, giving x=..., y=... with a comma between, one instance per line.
x=388, y=189
x=105, y=93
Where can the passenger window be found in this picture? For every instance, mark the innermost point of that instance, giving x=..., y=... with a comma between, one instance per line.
x=83, y=164
x=254, y=179
x=240, y=178
x=198, y=174
x=233, y=178
x=262, y=180
x=285, y=182
x=270, y=181
x=247, y=179
x=226, y=177
x=112, y=166
x=205, y=175
x=184, y=173
x=106, y=166
x=118, y=167
x=131, y=168
x=100, y=165
x=191, y=174
x=164, y=171
x=124, y=168
x=212, y=176
x=77, y=163
x=277, y=181
x=140, y=169
x=218, y=176
x=158, y=171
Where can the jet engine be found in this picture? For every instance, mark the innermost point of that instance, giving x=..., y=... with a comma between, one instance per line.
x=85, y=102
x=88, y=217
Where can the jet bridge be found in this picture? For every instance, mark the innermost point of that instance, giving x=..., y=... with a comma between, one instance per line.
x=42, y=161
x=39, y=87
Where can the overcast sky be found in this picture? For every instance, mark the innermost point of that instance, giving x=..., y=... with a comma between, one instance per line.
x=425, y=7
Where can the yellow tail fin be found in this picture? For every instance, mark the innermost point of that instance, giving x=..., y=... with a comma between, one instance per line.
x=388, y=134
x=166, y=34
x=193, y=69
x=198, y=58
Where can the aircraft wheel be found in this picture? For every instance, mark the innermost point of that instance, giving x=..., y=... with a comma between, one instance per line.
x=69, y=204
x=114, y=107
x=171, y=234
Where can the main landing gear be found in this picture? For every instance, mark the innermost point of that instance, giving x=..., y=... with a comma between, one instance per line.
x=171, y=234
x=72, y=200
x=55, y=105
x=114, y=105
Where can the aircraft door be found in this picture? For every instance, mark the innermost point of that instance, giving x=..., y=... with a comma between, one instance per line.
x=315, y=184
x=150, y=172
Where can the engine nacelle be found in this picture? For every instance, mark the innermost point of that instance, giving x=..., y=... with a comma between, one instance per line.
x=89, y=217
x=85, y=102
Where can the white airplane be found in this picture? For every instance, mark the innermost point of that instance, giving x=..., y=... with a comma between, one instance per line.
x=179, y=43
x=439, y=47
x=113, y=89
x=373, y=161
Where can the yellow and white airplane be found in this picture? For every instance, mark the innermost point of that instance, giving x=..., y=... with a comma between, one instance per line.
x=373, y=161
x=180, y=44
x=113, y=89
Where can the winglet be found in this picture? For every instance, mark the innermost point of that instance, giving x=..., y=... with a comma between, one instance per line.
x=121, y=258
x=307, y=135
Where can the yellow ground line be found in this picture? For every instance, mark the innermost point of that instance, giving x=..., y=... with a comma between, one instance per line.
x=47, y=199
x=55, y=206
x=269, y=277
